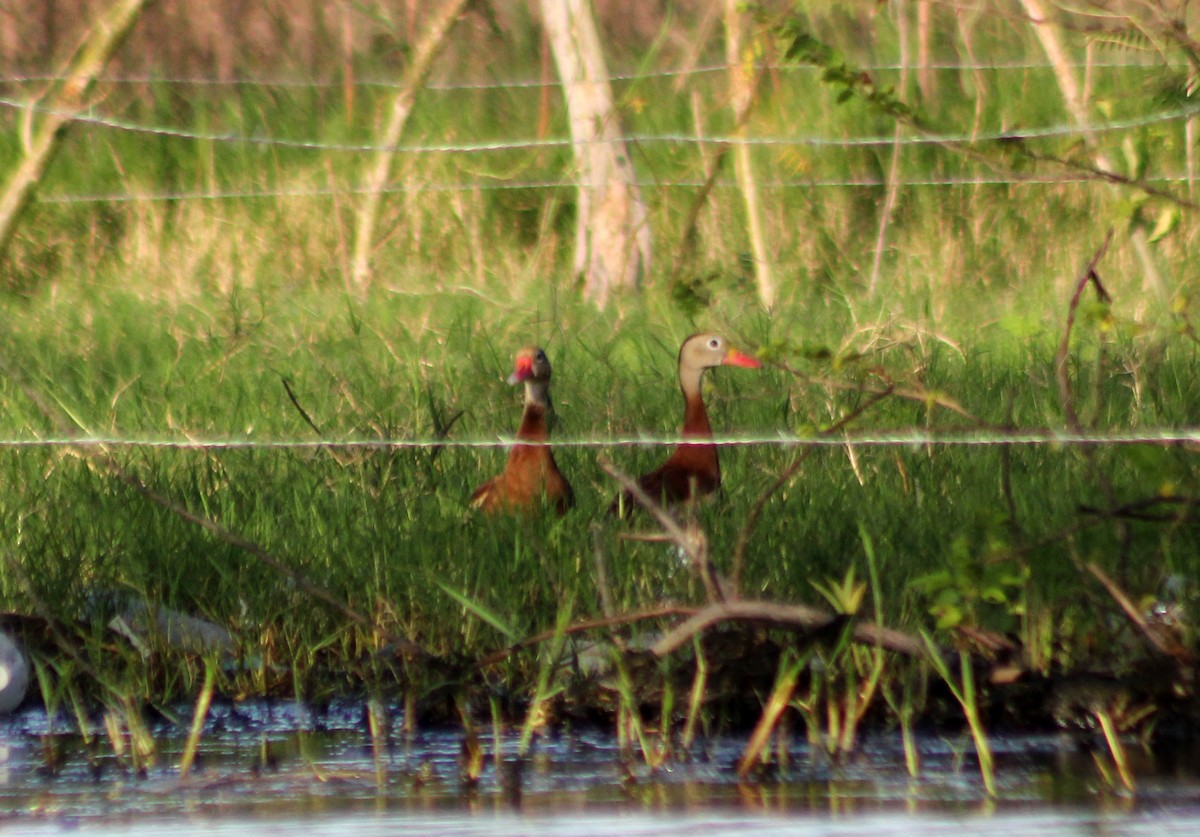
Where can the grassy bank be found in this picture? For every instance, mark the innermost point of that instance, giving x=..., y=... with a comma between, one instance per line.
x=986, y=530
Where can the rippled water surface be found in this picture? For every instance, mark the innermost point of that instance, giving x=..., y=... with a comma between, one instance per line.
x=283, y=769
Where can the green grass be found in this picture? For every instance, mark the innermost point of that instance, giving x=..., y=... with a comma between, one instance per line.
x=388, y=530
x=182, y=319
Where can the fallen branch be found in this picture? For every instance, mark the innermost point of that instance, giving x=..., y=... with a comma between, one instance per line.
x=802, y=617
x=697, y=620
x=583, y=627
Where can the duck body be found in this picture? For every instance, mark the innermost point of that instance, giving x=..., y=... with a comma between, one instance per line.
x=693, y=470
x=531, y=476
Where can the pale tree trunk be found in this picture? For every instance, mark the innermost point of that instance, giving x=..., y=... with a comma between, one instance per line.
x=426, y=50
x=612, y=238
x=742, y=97
x=65, y=99
x=893, y=185
x=1076, y=102
x=926, y=77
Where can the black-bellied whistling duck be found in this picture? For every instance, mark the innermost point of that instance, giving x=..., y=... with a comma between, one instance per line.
x=693, y=469
x=531, y=476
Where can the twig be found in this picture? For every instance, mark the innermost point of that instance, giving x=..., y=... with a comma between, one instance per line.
x=783, y=615
x=1134, y=615
x=1098, y=173
x=1136, y=510
x=1061, y=374
x=1089, y=275
x=606, y=599
x=287, y=385
x=918, y=394
x=690, y=540
x=583, y=627
x=441, y=427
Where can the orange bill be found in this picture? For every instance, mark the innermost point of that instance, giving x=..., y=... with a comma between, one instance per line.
x=524, y=370
x=735, y=358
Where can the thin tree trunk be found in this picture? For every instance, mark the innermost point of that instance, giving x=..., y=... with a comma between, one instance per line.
x=1077, y=109
x=612, y=237
x=926, y=77
x=67, y=97
x=893, y=183
x=427, y=49
x=1190, y=138
x=741, y=98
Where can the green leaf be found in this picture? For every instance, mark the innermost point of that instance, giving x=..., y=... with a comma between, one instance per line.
x=1168, y=219
x=993, y=595
x=482, y=613
x=948, y=617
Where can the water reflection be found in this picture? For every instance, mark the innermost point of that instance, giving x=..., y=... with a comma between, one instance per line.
x=283, y=768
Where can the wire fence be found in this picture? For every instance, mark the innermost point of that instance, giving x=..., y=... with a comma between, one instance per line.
x=1119, y=63
x=1063, y=129
x=897, y=438
x=904, y=438
x=1031, y=179
x=94, y=118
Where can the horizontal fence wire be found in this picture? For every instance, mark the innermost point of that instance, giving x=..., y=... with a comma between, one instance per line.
x=519, y=144
x=494, y=186
x=533, y=143
x=894, y=438
x=615, y=78
x=886, y=439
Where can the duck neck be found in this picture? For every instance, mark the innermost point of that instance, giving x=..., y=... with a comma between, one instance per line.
x=534, y=425
x=695, y=416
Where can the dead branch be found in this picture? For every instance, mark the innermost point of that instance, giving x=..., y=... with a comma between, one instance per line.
x=801, y=617
x=1089, y=275
x=697, y=620
x=664, y=611
x=918, y=394
x=1139, y=509
x=1152, y=636
x=690, y=539
x=1062, y=375
x=287, y=386
x=1097, y=173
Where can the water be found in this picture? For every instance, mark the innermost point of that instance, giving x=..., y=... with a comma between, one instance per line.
x=281, y=768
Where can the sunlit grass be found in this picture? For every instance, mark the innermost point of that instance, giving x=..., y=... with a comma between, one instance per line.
x=974, y=531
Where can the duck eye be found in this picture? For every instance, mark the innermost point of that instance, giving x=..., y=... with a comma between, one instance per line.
x=541, y=355
x=715, y=343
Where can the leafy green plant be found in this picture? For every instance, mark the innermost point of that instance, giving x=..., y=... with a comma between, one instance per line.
x=979, y=578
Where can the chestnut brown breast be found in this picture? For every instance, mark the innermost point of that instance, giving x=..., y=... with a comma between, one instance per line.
x=693, y=470
x=530, y=477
